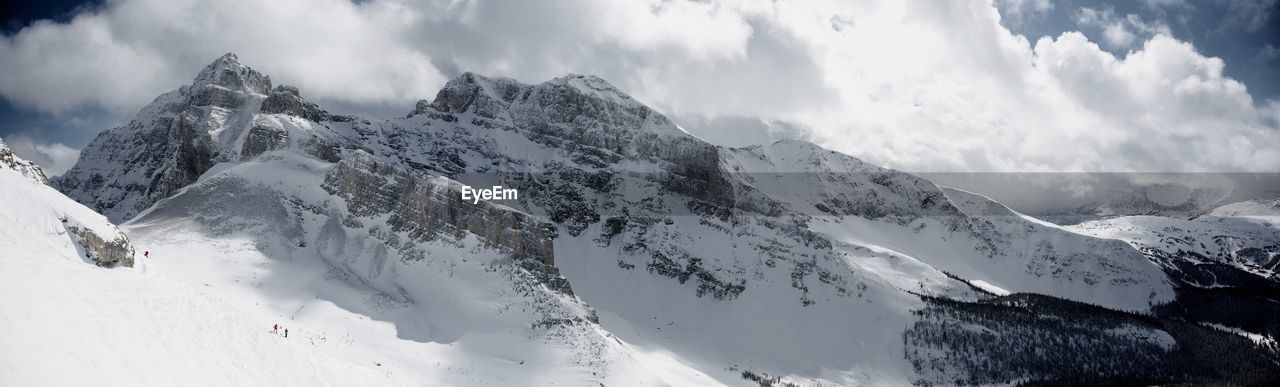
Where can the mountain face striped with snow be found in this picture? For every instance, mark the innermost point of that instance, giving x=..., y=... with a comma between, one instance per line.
x=178, y=137
x=635, y=252
x=586, y=155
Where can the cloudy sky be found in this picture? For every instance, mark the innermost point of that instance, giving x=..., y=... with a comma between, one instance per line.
x=921, y=85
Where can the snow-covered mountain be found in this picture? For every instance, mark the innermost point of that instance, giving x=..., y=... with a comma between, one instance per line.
x=1233, y=245
x=1156, y=199
x=588, y=155
x=1225, y=262
x=635, y=253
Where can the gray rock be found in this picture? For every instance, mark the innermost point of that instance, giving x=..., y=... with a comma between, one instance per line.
x=286, y=100
x=262, y=138
x=427, y=208
x=227, y=72
x=26, y=168
x=104, y=252
x=208, y=95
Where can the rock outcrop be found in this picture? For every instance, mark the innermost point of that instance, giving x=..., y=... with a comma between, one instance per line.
x=286, y=99
x=110, y=251
x=426, y=208
x=24, y=167
x=263, y=138
x=96, y=239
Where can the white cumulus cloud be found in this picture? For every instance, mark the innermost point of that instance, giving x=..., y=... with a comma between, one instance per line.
x=923, y=85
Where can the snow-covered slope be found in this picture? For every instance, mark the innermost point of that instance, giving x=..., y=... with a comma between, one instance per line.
x=635, y=252
x=1234, y=245
x=202, y=306
x=957, y=232
x=1261, y=210
x=68, y=323
x=11, y=163
x=37, y=219
x=407, y=304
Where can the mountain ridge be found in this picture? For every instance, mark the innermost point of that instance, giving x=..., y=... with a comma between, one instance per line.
x=572, y=129
x=627, y=231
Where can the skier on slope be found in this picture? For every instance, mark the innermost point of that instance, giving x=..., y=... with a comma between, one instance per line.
x=286, y=333
x=275, y=329
x=146, y=254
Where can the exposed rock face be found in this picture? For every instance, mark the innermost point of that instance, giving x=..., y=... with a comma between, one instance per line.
x=482, y=96
x=286, y=100
x=228, y=73
x=161, y=156
x=98, y=240
x=106, y=253
x=426, y=208
x=183, y=133
x=24, y=167
x=216, y=96
x=263, y=138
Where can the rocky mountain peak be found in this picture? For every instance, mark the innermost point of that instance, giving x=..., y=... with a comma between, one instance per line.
x=486, y=97
x=581, y=109
x=228, y=72
x=593, y=86
x=594, y=104
x=286, y=99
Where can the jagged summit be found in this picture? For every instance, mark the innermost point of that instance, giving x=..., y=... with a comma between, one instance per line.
x=229, y=111
x=286, y=99
x=228, y=72
x=484, y=96
x=594, y=86
x=573, y=100
x=475, y=90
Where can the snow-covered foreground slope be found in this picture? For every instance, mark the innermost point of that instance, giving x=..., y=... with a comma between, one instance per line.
x=201, y=308
x=68, y=323
x=201, y=311
x=457, y=312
